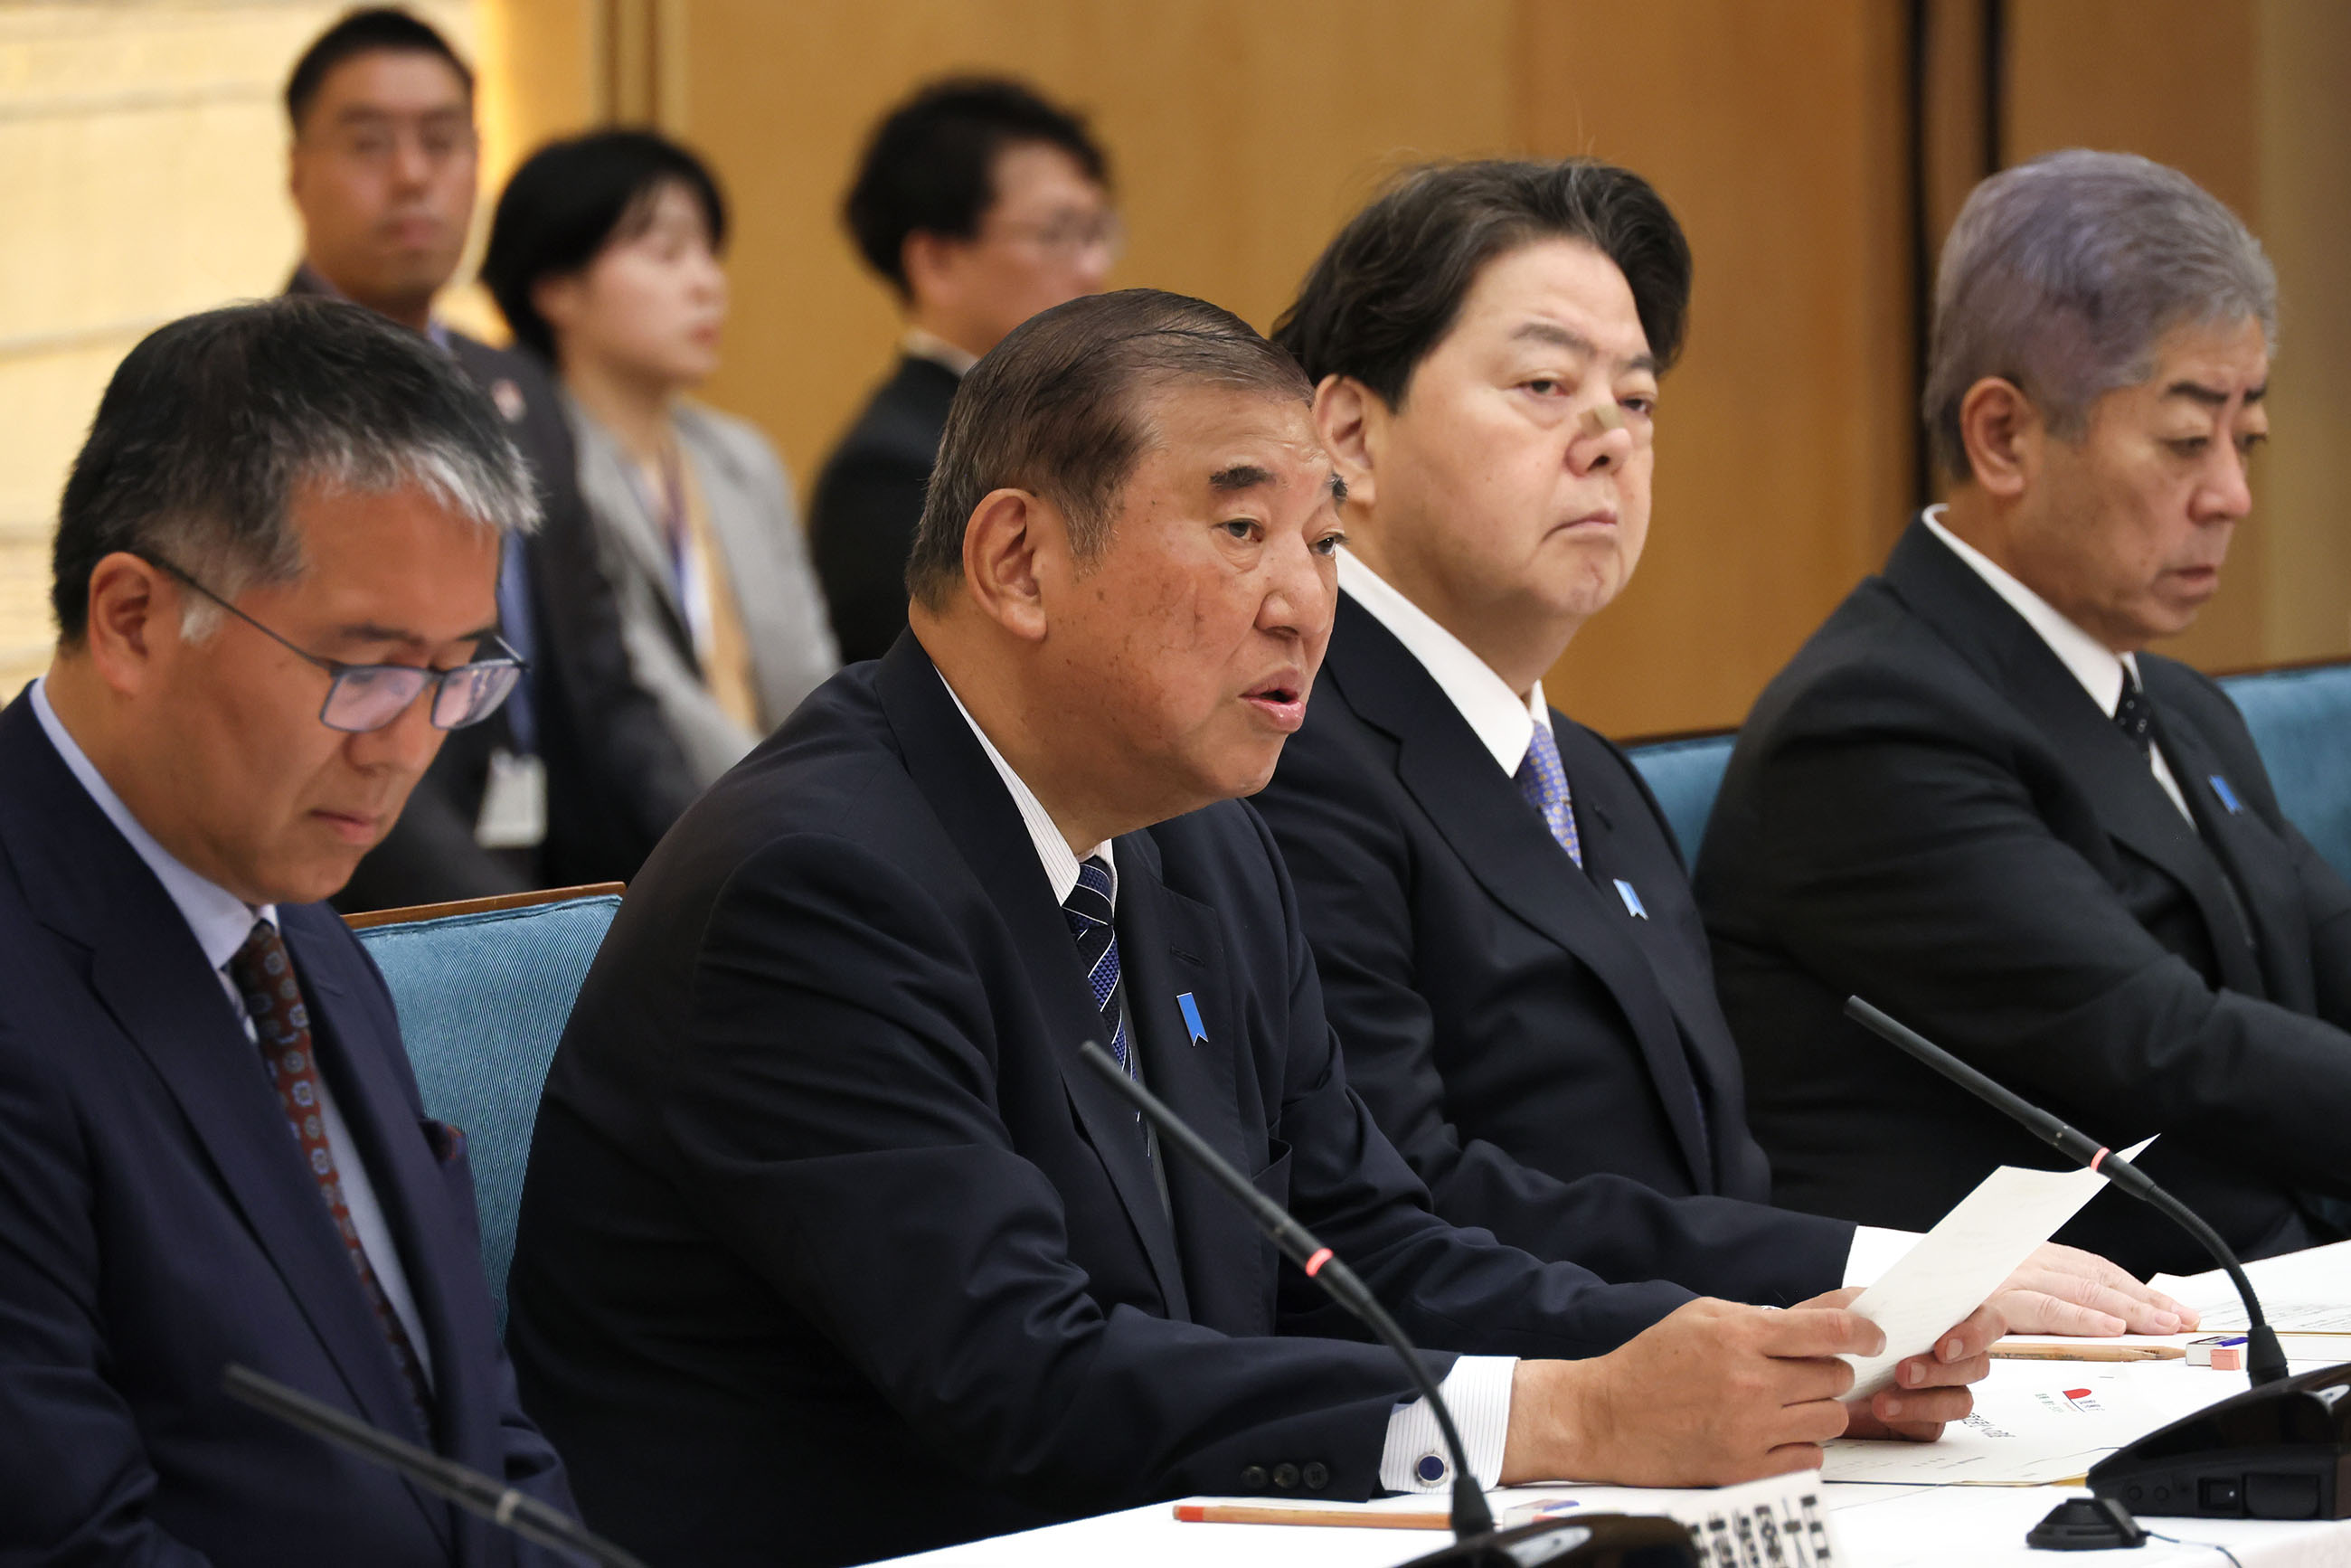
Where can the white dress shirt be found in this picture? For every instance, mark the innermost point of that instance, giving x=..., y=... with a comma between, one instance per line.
x=920, y=345
x=1504, y=723
x=2099, y=667
x=1478, y=1387
x=221, y=922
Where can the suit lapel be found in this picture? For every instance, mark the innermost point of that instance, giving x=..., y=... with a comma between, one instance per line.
x=1503, y=842
x=616, y=496
x=364, y=1068
x=85, y=883
x=946, y=761
x=2249, y=858
x=2109, y=769
x=1170, y=946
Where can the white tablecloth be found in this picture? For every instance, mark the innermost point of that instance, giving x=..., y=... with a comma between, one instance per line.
x=1880, y=1526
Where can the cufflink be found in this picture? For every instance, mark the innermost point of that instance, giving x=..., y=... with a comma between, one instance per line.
x=1430, y=1468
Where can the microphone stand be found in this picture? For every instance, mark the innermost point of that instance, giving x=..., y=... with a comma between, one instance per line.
x=1476, y=1542
x=2264, y=1358
x=468, y=1487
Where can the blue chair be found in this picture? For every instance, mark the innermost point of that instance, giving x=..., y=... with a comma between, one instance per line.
x=483, y=998
x=2301, y=721
x=1685, y=775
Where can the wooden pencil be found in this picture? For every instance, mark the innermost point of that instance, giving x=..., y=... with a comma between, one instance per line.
x=1346, y=1517
x=2087, y=1353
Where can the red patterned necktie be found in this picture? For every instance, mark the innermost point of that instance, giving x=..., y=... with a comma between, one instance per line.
x=264, y=972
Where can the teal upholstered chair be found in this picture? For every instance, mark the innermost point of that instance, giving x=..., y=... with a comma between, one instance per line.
x=1684, y=774
x=483, y=998
x=2301, y=720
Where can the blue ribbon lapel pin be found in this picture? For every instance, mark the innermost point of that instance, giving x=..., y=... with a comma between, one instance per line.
x=1632, y=905
x=1191, y=1011
x=2228, y=796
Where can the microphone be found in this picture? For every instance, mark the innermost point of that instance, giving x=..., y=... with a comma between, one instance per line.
x=2264, y=1359
x=468, y=1487
x=1595, y=1538
x=2280, y=1450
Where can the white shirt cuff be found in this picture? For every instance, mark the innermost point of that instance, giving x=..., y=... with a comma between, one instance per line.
x=1477, y=1391
x=1874, y=1251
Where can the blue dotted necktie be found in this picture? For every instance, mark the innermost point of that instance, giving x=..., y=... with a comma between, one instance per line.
x=2134, y=715
x=1542, y=779
x=1088, y=909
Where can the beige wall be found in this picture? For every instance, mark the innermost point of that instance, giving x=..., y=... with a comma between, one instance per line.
x=141, y=155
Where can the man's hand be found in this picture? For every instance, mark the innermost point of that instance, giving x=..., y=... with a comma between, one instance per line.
x=1712, y=1394
x=2062, y=1290
x=1931, y=1389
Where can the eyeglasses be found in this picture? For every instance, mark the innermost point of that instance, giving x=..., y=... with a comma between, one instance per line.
x=364, y=697
x=1071, y=235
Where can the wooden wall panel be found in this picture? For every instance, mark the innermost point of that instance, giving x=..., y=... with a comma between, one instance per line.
x=1241, y=135
x=1783, y=453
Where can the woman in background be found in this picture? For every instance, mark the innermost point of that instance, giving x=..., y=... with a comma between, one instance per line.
x=604, y=257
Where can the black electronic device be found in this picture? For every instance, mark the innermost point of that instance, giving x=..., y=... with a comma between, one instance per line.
x=468, y=1487
x=1593, y=1540
x=2282, y=1449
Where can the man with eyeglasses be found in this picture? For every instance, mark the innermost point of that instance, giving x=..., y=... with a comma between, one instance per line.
x=578, y=776
x=275, y=587
x=979, y=204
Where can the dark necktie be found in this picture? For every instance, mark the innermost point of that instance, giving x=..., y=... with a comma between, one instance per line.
x=1087, y=910
x=1542, y=779
x=2134, y=715
x=264, y=972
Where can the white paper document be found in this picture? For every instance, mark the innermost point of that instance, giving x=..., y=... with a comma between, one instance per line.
x=2031, y=1428
x=2302, y=1292
x=1957, y=1265
x=1780, y=1521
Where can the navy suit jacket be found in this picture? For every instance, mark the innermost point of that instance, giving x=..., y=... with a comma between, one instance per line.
x=1536, y=1051
x=1925, y=808
x=157, y=1223
x=832, y=1250
x=868, y=499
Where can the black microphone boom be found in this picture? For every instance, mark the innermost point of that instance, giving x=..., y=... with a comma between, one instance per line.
x=468, y=1487
x=1470, y=1515
x=2264, y=1359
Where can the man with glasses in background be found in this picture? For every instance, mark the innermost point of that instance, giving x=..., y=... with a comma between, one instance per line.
x=980, y=204
x=276, y=591
x=578, y=776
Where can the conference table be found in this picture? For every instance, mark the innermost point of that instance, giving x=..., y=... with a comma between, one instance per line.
x=1877, y=1525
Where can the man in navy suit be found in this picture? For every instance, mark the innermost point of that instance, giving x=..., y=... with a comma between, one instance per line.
x=1505, y=933
x=275, y=590
x=832, y=1250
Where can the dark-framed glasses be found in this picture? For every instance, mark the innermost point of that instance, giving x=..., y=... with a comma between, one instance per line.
x=363, y=697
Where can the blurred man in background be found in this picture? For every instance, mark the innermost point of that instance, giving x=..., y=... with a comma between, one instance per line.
x=577, y=775
x=979, y=204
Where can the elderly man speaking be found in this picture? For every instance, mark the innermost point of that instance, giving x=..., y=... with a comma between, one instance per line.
x=1976, y=800
x=831, y=1250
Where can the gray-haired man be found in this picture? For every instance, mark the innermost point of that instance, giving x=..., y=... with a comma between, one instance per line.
x=275, y=587
x=1974, y=800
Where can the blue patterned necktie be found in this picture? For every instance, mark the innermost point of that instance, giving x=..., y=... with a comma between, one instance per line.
x=2134, y=715
x=1542, y=779
x=1087, y=910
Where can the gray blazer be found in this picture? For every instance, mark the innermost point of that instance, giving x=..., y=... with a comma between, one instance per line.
x=757, y=529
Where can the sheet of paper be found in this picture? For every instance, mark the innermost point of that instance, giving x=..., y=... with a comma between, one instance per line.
x=2302, y=1292
x=1781, y=1521
x=1956, y=1266
x=2027, y=1429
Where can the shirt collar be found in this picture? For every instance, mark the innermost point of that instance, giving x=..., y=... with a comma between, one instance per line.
x=1503, y=721
x=921, y=345
x=436, y=331
x=219, y=919
x=1052, y=849
x=2099, y=667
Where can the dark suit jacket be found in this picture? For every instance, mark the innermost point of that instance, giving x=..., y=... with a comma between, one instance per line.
x=616, y=777
x=1534, y=1050
x=157, y=1223
x=831, y=1250
x=1927, y=808
x=868, y=498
